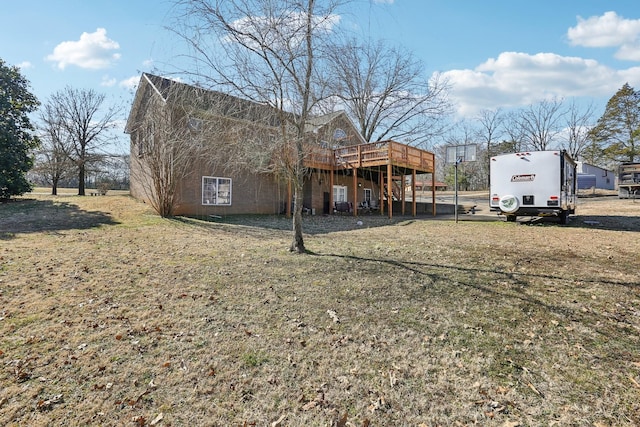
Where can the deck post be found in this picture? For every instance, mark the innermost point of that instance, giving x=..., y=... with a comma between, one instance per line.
x=389, y=189
x=414, y=203
x=403, y=195
x=331, y=173
x=355, y=190
x=433, y=190
x=381, y=192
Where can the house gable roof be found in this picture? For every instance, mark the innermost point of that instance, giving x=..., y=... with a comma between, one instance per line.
x=213, y=102
x=318, y=123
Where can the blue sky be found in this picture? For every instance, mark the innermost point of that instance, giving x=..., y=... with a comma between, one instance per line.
x=493, y=53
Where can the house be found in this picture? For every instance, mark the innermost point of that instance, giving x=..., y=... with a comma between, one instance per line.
x=590, y=176
x=343, y=171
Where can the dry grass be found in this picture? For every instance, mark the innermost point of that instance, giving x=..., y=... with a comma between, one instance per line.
x=110, y=315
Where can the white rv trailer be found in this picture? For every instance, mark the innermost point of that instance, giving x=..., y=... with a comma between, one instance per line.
x=533, y=183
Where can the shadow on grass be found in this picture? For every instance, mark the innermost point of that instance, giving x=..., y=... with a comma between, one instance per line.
x=482, y=280
x=600, y=222
x=606, y=222
x=311, y=225
x=31, y=216
x=518, y=278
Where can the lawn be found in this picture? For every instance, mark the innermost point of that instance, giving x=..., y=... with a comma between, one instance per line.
x=110, y=315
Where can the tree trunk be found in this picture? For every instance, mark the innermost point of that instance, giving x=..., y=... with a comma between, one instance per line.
x=298, y=242
x=54, y=187
x=81, y=180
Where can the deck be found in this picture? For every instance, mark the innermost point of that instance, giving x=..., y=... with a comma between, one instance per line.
x=390, y=160
x=371, y=155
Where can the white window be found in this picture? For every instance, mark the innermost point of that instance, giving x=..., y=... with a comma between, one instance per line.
x=216, y=191
x=339, y=193
x=367, y=195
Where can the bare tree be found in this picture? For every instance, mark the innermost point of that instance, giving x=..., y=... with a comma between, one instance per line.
x=268, y=52
x=540, y=123
x=515, y=135
x=52, y=163
x=490, y=131
x=169, y=137
x=384, y=89
x=490, y=127
x=78, y=114
x=578, y=123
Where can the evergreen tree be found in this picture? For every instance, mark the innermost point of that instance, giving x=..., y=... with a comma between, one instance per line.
x=618, y=130
x=16, y=137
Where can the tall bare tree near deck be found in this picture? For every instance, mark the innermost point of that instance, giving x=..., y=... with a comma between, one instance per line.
x=86, y=123
x=267, y=52
x=385, y=90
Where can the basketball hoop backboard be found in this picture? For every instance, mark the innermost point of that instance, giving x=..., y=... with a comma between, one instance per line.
x=461, y=153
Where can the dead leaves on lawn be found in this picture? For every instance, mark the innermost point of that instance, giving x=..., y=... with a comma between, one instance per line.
x=494, y=403
x=45, y=405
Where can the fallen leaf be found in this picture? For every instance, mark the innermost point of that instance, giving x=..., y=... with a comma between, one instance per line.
x=502, y=390
x=278, y=422
x=310, y=405
x=157, y=419
x=140, y=420
x=45, y=405
x=535, y=390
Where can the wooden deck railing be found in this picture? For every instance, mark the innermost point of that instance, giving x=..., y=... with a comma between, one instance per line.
x=371, y=154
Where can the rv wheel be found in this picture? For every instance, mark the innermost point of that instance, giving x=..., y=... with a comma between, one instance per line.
x=564, y=217
x=508, y=204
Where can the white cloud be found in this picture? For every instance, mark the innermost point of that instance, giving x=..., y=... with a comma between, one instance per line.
x=516, y=79
x=92, y=51
x=383, y=1
x=108, y=81
x=629, y=52
x=25, y=65
x=608, y=30
x=130, y=83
